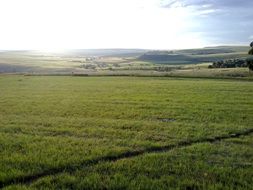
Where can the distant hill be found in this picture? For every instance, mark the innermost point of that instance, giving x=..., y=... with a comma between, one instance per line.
x=165, y=57
x=189, y=56
x=91, y=60
x=214, y=50
x=101, y=52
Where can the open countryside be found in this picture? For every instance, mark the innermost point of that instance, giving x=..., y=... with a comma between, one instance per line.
x=126, y=95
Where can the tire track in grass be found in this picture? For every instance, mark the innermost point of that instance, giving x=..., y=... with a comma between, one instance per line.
x=112, y=158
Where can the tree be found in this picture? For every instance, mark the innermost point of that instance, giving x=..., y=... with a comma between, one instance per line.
x=250, y=60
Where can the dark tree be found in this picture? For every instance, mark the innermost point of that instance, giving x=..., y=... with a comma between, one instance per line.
x=250, y=60
x=229, y=63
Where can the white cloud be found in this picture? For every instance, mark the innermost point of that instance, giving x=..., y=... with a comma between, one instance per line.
x=251, y=37
x=30, y=24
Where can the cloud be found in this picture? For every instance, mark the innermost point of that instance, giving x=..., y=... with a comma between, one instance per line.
x=251, y=37
x=207, y=3
x=205, y=7
x=124, y=23
x=184, y=3
x=219, y=21
x=197, y=7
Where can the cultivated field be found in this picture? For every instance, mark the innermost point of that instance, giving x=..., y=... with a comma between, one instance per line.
x=127, y=62
x=65, y=132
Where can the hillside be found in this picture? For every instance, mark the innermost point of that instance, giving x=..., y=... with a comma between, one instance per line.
x=112, y=61
x=194, y=56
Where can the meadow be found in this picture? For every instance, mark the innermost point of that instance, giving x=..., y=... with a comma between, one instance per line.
x=69, y=132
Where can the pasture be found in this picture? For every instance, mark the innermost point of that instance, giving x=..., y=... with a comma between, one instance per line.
x=65, y=132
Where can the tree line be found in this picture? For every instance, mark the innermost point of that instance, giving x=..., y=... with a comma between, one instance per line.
x=230, y=63
x=250, y=60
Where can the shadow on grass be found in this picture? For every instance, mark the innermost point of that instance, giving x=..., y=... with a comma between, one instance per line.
x=112, y=158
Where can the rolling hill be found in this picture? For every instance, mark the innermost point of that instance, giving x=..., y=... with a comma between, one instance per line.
x=194, y=56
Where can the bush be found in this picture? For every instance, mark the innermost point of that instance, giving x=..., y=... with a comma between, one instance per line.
x=230, y=63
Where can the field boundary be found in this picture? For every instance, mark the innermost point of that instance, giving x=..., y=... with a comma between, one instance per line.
x=112, y=158
x=161, y=75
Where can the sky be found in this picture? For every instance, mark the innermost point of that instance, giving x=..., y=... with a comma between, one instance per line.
x=145, y=24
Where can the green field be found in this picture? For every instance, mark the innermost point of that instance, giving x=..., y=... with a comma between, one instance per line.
x=124, y=62
x=63, y=132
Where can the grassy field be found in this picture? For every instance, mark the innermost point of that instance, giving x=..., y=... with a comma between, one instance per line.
x=125, y=133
